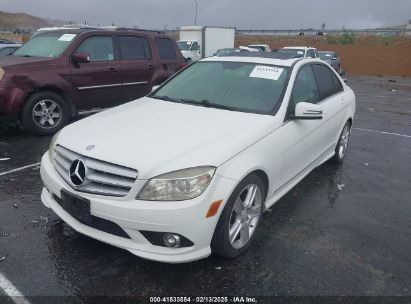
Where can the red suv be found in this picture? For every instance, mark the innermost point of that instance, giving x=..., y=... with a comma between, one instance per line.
x=57, y=73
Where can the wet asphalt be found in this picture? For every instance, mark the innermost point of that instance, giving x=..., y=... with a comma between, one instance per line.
x=344, y=230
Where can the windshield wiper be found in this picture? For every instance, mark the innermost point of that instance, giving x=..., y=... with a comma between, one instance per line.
x=165, y=97
x=208, y=104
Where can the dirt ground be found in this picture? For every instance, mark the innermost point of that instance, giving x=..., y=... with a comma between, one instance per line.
x=367, y=56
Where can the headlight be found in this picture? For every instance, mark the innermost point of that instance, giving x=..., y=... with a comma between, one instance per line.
x=178, y=185
x=53, y=145
x=1, y=73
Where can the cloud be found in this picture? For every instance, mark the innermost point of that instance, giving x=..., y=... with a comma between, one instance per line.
x=243, y=14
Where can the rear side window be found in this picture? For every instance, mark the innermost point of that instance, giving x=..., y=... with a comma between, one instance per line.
x=166, y=48
x=99, y=48
x=327, y=82
x=133, y=48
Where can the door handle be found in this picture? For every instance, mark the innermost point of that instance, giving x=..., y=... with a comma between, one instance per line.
x=151, y=67
x=112, y=69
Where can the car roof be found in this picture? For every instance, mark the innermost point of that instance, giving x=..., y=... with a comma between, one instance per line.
x=297, y=47
x=260, y=58
x=118, y=30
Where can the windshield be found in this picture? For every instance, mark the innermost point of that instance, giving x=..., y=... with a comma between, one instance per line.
x=238, y=86
x=293, y=52
x=184, y=45
x=325, y=55
x=50, y=45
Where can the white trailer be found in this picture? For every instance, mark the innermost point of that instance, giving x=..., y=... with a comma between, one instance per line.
x=197, y=42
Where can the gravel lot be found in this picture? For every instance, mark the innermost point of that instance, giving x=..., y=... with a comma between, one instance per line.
x=344, y=230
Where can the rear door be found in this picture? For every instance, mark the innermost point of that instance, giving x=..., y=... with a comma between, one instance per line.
x=97, y=83
x=137, y=66
x=170, y=62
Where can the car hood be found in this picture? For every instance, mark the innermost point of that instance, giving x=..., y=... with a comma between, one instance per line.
x=15, y=61
x=155, y=136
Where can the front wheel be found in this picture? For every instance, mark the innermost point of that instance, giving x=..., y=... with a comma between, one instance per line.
x=342, y=143
x=45, y=113
x=240, y=218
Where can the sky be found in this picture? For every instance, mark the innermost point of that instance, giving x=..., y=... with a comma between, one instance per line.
x=242, y=14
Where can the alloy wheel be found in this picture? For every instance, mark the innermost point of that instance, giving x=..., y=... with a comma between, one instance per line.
x=245, y=216
x=47, y=113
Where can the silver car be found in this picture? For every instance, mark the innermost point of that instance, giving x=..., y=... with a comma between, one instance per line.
x=332, y=59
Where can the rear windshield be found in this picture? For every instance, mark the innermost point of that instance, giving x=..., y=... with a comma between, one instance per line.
x=50, y=45
x=237, y=86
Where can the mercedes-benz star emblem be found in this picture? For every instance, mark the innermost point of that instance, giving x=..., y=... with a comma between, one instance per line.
x=77, y=172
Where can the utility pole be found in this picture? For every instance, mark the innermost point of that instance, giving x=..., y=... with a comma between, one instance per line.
x=195, y=20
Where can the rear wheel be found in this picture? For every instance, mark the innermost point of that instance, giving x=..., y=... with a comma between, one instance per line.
x=45, y=113
x=342, y=143
x=240, y=218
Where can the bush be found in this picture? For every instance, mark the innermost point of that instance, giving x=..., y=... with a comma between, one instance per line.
x=346, y=38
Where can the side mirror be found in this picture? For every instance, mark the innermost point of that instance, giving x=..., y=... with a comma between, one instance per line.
x=81, y=57
x=306, y=110
x=154, y=88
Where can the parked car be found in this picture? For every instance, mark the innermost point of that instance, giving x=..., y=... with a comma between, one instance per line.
x=249, y=49
x=57, y=73
x=332, y=59
x=6, y=41
x=233, y=51
x=300, y=51
x=190, y=168
x=261, y=47
x=8, y=49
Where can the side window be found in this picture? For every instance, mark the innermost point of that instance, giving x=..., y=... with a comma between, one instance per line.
x=99, y=48
x=134, y=48
x=195, y=47
x=305, y=87
x=310, y=53
x=166, y=48
x=327, y=82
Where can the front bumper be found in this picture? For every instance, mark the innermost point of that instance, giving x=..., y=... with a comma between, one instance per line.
x=187, y=218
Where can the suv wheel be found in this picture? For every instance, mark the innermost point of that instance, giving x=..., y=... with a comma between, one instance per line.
x=45, y=113
x=240, y=218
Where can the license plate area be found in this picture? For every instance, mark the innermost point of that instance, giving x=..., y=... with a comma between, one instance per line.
x=77, y=206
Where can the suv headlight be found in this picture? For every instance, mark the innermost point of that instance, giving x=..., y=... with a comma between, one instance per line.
x=53, y=145
x=1, y=73
x=177, y=185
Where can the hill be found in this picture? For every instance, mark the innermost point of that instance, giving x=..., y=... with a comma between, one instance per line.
x=21, y=20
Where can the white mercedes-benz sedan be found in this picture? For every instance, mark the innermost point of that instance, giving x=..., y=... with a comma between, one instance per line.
x=188, y=170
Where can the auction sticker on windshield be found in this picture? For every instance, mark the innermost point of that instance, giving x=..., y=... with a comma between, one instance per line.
x=266, y=72
x=67, y=37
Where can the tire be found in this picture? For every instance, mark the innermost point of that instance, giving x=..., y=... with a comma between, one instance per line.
x=232, y=220
x=342, y=144
x=44, y=113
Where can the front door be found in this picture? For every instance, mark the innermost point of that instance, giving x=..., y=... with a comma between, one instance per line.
x=301, y=144
x=97, y=83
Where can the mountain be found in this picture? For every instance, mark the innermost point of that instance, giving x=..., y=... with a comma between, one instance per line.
x=21, y=20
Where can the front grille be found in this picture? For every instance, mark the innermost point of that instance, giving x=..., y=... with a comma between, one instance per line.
x=100, y=177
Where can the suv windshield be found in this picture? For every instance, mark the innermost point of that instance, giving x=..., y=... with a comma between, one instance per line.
x=325, y=55
x=238, y=86
x=184, y=45
x=50, y=45
x=293, y=52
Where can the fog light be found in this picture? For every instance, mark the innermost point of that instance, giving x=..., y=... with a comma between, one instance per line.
x=171, y=240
